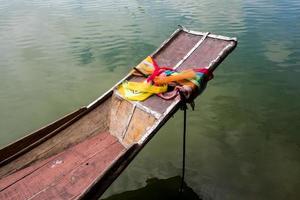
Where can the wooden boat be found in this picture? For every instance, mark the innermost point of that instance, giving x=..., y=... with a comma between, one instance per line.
x=81, y=154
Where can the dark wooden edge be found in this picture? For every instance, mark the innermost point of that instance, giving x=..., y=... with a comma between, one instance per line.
x=25, y=142
x=96, y=190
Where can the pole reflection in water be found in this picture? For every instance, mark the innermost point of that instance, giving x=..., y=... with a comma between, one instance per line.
x=158, y=189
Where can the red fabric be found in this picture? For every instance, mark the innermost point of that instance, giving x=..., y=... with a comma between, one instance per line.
x=167, y=68
x=157, y=70
x=202, y=70
x=206, y=72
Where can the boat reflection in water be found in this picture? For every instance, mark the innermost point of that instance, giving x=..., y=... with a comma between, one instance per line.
x=158, y=189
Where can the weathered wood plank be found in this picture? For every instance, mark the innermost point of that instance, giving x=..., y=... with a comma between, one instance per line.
x=172, y=53
x=120, y=116
x=57, y=167
x=15, y=177
x=95, y=121
x=140, y=122
x=100, y=140
x=204, y=54
x=79, y=179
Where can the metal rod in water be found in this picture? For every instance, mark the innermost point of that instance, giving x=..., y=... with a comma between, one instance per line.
x=183, y=149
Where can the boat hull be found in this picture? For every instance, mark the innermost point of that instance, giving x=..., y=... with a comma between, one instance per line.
x=81, y=154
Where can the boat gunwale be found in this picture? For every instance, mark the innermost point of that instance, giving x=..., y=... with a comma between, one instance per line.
x=214, y=36
x=80, y=112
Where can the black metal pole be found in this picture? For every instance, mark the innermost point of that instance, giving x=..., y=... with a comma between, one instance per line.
x=183, y=148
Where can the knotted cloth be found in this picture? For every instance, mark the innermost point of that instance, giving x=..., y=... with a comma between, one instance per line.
x=159, y=80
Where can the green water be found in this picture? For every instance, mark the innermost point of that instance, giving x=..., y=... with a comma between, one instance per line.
x=243, y=138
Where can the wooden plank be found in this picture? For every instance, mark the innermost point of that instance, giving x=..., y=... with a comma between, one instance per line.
x=93, y=122
x=79, y=179
x=58, y=167
x=120, y=116
x=13, y=178
x=141, y=121
x=99, y=140
x=205, y=54
x=171, y=54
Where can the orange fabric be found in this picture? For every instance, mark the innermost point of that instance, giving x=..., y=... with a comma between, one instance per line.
x=187, y=83
x=188, y=74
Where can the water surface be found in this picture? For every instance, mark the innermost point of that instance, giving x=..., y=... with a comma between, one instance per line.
x=243, y=137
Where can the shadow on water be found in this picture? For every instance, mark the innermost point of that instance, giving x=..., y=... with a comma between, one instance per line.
x=158, y=189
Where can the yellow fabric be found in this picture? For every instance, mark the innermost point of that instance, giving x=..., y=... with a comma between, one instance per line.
x=146, y=66
x=146, y=87
x=139, y=91
x=133, y=96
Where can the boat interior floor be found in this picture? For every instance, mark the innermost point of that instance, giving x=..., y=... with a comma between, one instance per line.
x=57, y=177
